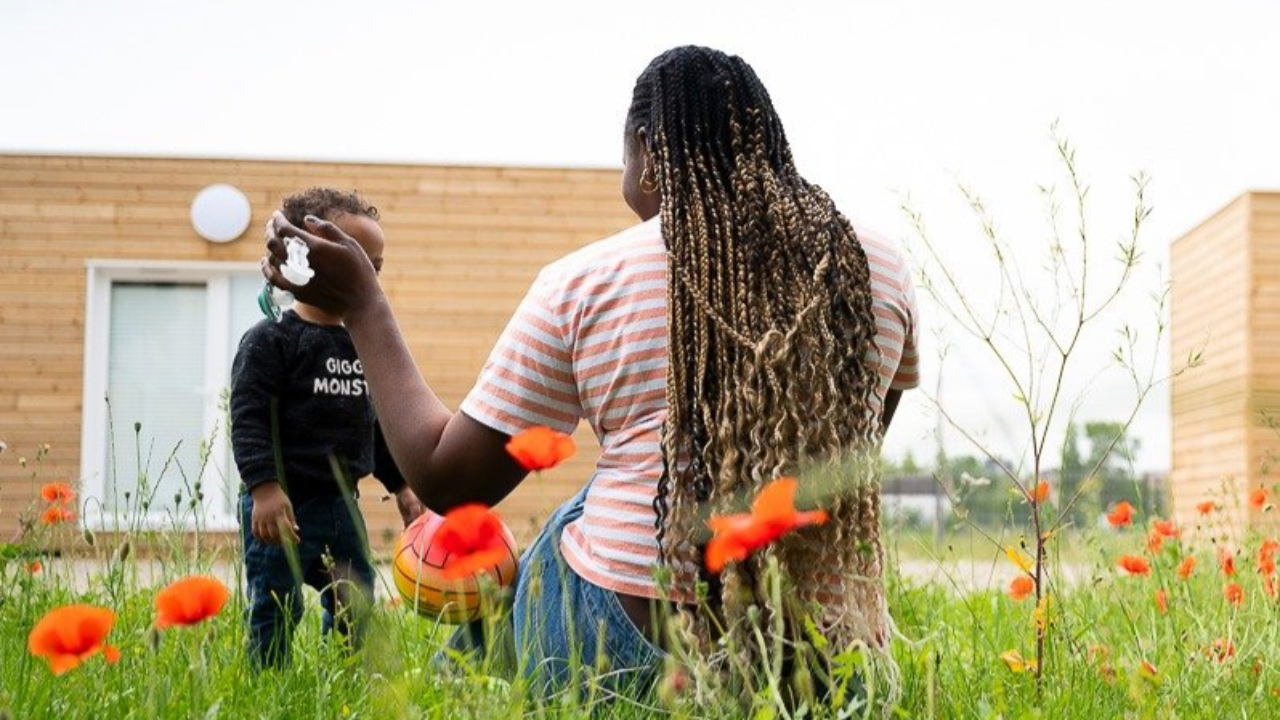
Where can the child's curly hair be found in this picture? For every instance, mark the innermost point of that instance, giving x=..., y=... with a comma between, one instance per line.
x=325, y=202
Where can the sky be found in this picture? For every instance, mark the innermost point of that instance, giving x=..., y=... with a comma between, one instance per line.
x=884, y=103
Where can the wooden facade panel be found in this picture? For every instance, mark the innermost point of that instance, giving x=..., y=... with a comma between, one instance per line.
x=1264, y=381
x=464, y=245
x=280, y=178
x=136, y=203
x=1210, y=314
x=1219, y=421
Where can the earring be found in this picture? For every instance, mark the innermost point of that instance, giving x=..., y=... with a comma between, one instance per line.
x=647, y=183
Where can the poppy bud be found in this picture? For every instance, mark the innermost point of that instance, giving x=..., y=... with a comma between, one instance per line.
x=802, y=681
x=89, y=538
x=674, y=686
x=137, y=427
x=122, y=553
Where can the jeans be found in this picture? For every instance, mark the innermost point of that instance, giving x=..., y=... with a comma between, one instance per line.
x=332, y=557
x=564, y=625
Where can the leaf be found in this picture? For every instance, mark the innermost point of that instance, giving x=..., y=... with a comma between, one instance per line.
x=1016, y=663
x=1019, y=558
x=811, y=629
x=1040, y=618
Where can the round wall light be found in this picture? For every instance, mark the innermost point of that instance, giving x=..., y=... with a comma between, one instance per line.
x=220, y=213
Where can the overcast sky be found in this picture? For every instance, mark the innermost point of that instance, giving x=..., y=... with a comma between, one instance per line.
x=881, y=101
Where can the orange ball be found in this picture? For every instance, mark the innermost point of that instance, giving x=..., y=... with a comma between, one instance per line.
x=417, y=569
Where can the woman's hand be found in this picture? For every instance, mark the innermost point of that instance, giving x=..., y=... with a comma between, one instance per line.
x=344, y=283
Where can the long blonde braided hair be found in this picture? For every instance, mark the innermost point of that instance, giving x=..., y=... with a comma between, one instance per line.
x=772, y=354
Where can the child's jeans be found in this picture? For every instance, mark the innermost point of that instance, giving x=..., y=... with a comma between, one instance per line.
x=332, y=557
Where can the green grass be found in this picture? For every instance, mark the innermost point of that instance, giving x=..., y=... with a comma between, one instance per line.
x=949, y=654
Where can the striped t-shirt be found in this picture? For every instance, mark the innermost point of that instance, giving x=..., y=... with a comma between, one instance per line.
x=589, y=341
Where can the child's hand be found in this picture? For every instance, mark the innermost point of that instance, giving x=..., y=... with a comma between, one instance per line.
x=273, y=521
x=409, y=504
x=344, y=281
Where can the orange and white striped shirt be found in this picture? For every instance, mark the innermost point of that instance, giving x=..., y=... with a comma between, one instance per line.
x=589, y=341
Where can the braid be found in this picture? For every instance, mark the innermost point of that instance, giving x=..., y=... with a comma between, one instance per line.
x=771, y=349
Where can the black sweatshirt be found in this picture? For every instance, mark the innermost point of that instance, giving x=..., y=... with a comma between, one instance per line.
x=311, y=375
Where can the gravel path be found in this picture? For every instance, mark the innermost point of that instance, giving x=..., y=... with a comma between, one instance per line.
x=960, y=575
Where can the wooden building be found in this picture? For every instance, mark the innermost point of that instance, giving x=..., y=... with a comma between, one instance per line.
x=108, y=291
x=1226, y=310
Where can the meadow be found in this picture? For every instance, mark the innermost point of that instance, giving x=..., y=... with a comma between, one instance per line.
x=1149, y=641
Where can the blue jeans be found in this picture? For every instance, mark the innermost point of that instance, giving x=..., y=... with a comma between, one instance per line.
x=332, y=557
x=565, y=627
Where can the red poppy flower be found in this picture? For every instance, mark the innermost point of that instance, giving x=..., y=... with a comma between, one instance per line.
x=57, y=492
x=773, y=514
x=541, y=448
x=1234, y=594
x=1154, y=541
x=189, y=601
x=1021, y=587
x=1270, y=546
x=1101, y=654
x=1206, y=507
x=1134, y=565
x=1185, y=567
x=1121, y=514
x=1258, y=499
x=1041, y=493
x=1266, y=564
x=1267, y=556
x=1162, y=601
x=1166, y=528
x=56, y=514
x=1221, y=650
x=472, y=536
x=35, y=566
x=1147, y=671
x=1227, y=560
x=69, y=635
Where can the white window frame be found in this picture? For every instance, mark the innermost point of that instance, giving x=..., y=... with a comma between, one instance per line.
x=100, y=276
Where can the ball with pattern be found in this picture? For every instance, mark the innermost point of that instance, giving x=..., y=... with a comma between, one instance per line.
x=418, y=566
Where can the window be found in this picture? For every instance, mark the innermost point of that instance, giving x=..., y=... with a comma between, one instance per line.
x=159, y=341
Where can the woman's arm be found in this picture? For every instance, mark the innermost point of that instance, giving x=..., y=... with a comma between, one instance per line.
x=447, y=458
x=891, y=400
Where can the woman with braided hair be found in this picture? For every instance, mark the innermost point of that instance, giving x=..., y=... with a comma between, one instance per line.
x=741, y=332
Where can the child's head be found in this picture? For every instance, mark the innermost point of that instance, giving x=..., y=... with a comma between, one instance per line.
x=350, y=212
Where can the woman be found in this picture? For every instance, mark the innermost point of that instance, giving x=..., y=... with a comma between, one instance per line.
x=741, y=331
